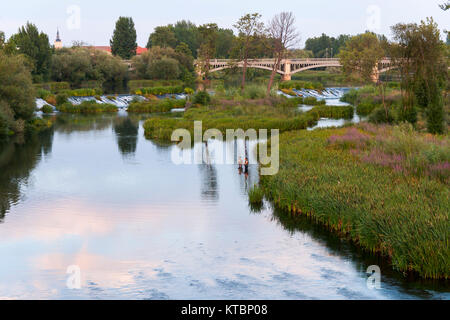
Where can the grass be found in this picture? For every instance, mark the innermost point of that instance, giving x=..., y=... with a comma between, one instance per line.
x=334, y=112
x=231, y=117
x=255, y=198
x=402, y=215
x=153, y=106
x=87, y=107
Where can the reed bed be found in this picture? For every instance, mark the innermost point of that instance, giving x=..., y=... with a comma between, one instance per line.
x=397, y=213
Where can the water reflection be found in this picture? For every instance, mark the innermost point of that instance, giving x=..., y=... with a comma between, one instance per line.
x=17, y=159
x=126, y=131
x=148, y=229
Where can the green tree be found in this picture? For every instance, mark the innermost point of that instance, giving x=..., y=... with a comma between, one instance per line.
x=187, y=32
x=325, y=46
x=163, y=37
x=2, y=39
x=420, y=55
x=164, y=69
x=17, y=93
x=149, y=65
x=35, y=45
x=249, y=28
x=208, y=35
x=224, y=44
x=78, y=65
x=360, y=55
x=123, y=42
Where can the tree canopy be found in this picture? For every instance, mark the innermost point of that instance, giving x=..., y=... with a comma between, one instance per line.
x=325, y=46
x=123, y=42
x=34, y=45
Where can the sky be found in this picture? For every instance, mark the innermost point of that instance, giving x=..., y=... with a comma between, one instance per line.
x=93, y=21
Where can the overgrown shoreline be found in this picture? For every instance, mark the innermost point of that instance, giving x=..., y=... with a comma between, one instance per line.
x=401, y=216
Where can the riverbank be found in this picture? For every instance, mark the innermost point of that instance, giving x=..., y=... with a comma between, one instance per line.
x=378, y=200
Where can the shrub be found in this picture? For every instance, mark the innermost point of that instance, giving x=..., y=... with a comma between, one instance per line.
x=87, y=107
x=47, y=109
x=299, y=85
x=137, y=84
x=365, y=108
x=202, y=98
x=159, y=91
x=378, y=115
x=53, y=87
x=335, y=112
x=164, y=105
x=61, y=98
x=51, y=99
x=43, y=94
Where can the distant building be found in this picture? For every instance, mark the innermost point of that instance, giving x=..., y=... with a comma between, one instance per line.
x=107, y=49
x=58, y=42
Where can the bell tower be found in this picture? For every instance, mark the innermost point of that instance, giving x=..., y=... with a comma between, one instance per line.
x=58, y=42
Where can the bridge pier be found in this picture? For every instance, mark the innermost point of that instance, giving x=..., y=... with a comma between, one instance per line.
x=286, y=76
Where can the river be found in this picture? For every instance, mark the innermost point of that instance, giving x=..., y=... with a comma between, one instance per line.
x=95, y=194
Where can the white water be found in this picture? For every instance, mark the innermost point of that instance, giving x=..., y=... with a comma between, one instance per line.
x=120, y=101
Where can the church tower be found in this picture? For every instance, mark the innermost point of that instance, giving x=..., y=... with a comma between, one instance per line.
x=58, y=42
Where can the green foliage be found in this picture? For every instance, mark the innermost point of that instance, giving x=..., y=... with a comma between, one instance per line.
x=159, y=91
x=163, y=63
x=360, y=55
x=87, y=107
x=202, y=98
x=35, y=45
x=325, y=46
x=164, y=105
x=378, y=116
x=163, y=36
x=17, y=94
x=365, y=108
x=53, y=87
x=255, y=197
x=381, y=209
x=237, y=117
x=123, y=42
x=422, y=60
x=334, y=112
x=165, y=68
x=61, y=98
x=86, y=92
x=137, y=84
x=299, y=85
x=47, y=109
x=80, y=66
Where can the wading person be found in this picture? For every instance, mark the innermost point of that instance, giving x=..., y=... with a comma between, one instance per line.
x=240, y=163
x=246, y=165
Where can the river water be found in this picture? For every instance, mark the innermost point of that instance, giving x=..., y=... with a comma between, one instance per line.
x=95, y=194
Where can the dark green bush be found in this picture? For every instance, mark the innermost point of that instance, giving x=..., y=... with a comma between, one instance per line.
x=47, y=109
x=378, y=116
x=87, y=107
x=164, y=105
x=203, y=98
x=61, y=98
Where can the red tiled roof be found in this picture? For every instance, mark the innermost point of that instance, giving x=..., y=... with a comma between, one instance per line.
x=141, y=50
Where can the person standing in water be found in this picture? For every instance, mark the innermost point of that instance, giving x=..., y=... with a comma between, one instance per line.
x=246, y=165
x=240, y=163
